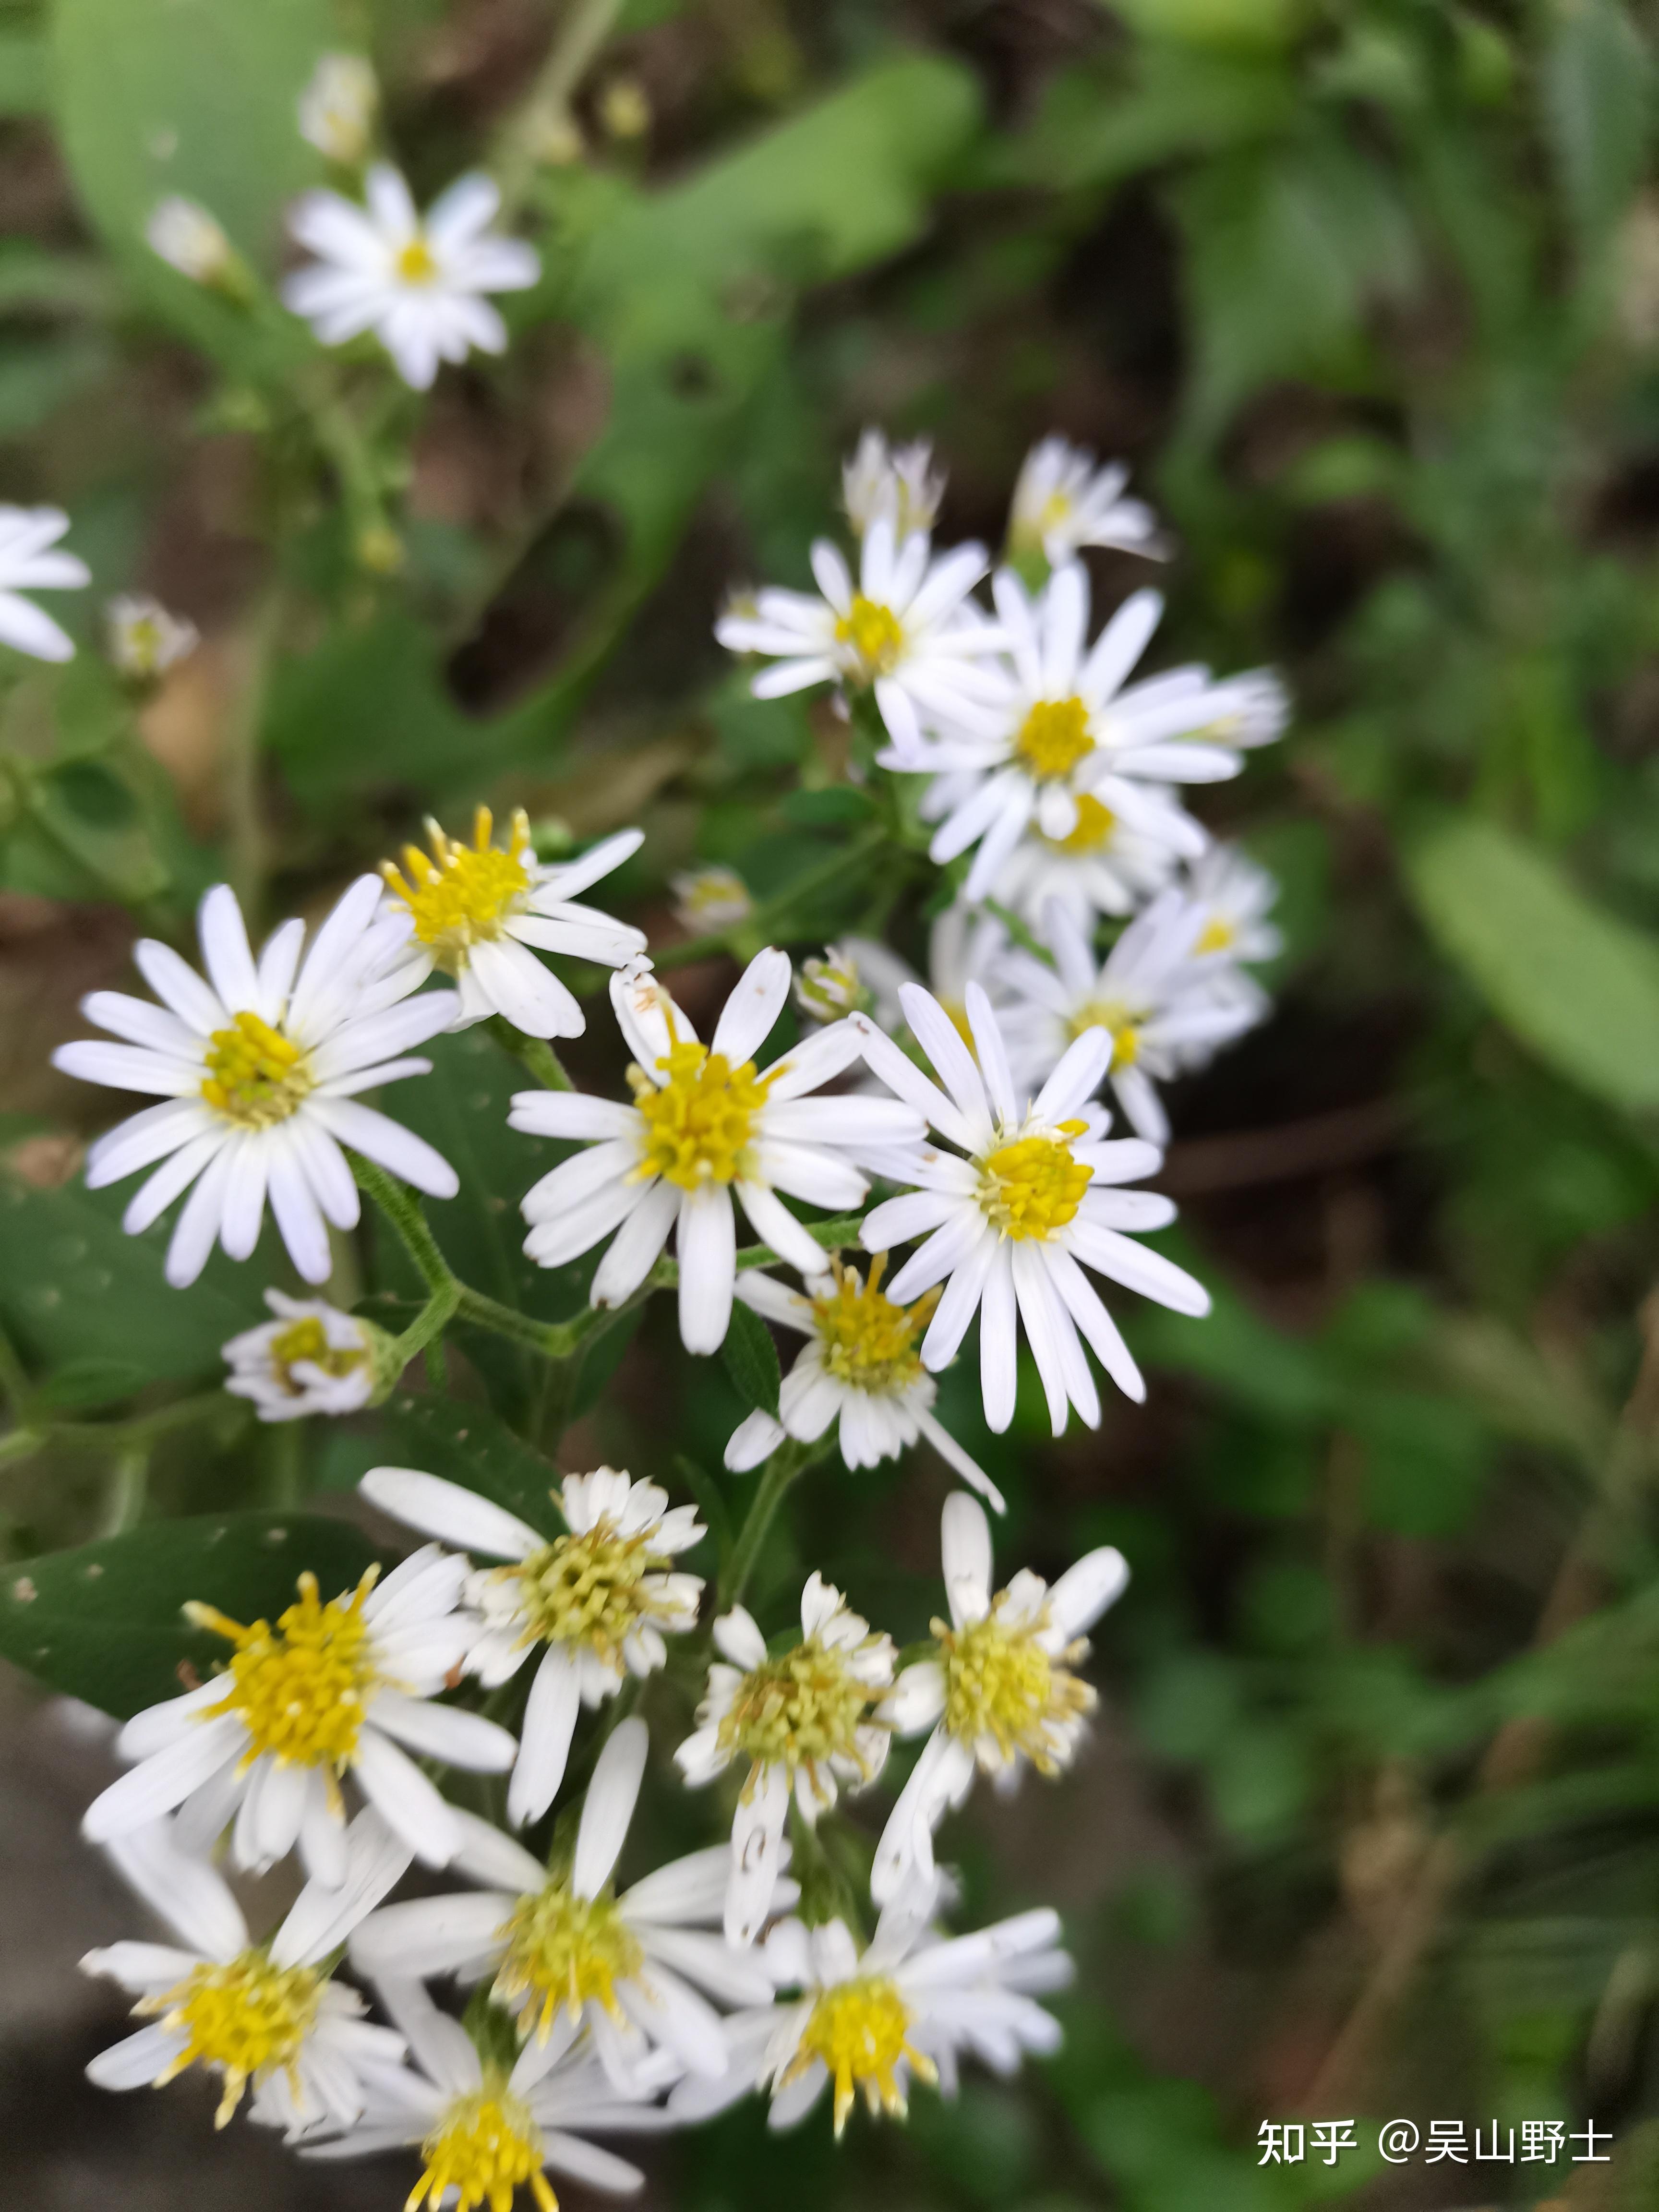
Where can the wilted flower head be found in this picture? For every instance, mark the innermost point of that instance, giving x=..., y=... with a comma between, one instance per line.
x=312, y=1359
x=338, y=108
x=710, y=898
x=897, y=481
x=144, y=639
x=828, y=989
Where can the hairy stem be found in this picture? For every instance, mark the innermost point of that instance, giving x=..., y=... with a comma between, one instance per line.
x=546, y=111
x=790, y=1460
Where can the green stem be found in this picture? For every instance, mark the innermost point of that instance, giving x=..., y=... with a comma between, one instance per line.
x=546, y=111
x=404, y=1212
x=788, y=1462
x=245, y=820
x=761, y=918
x=427, y=1325
x=536, y=1054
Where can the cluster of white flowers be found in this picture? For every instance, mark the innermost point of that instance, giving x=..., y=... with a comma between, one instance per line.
x=972, y=1104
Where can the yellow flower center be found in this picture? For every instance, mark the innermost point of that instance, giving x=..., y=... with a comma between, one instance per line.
x=306, y=1339
x=483, y=2147
x=860, y=2030
x=416, y=263
x=299, y=1688
x=799, y=1708
x=590, y=1589
x=875, y=634
x=1054, y=737
x=1113, y=1015
x=698, y=1123
x=999, y=1682
x=247, y=2017
x=1216, y=934
x=1092, y=829
x=465, y=893
x=564, y=1950
x=254, y=1075
x=1034, y=1186
x=868, y=1342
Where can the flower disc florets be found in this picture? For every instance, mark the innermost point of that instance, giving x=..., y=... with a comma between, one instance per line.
x=698, y=1124
x=1032, y=1187
x=299, y=1689
x=254, y=1076
x=858, y=2031
x=872, y=637
x=1054, y=737
x=1113, y=1016
x=798, y=1708
x=868, y=1342
x=562, y=1953
x=590, y=1588
x=465, y=893
x=1000, y=1683
x=483, y=2147
x=306, y=1340
x=248, y=2018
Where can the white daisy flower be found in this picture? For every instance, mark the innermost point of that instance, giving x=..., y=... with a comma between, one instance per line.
x=477, y=910
x=564, y=1950
x=268, y=2014
x=898, y=482
x=600, y=1593
x=710, y=898
x=1064, y=727
x=188, y=239
x=906, y=628
x=806, y=1721
x=1000, y=1691
x=312, y=1359
x=909, y=2005
x=145, y=641
x=28, y=564
x=418, y=283
x=336, y=109
x=704, y=1127
x=1011, y=1218
x=860, y=1369
x=827, y=989
x=1167, y=1008
x=330, y=1690
x=483, y=2130
x=1101, y=866
x=1234, y=896
x=1063, y=501
x=259, y=1069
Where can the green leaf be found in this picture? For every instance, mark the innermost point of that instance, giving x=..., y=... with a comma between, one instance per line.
x=1597, y=85
x=194, y=97
x=1578, y=985
x=87, y=1307
x=750, y=1358
x=104, y=1623
x=463, y=1441
x=22, y=73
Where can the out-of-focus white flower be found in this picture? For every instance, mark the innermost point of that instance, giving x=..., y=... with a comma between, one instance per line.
x=313, y=1358
x=338, y=107
x=827, y=989
x=483, y=2132
x=806, y=1721
x=268, y=2014
x=906, y=630
x=145, y=641
x=860, y=1369
x=704, y=1127
x=28, y=564
x=476, y=911
x=910, y=2006
x=1101, y=866
x=330, y=1690
x=710, y=898
x=259, y=1068
x=1168, y=1007
x=1066, y=725
x=190, y=239
x=1001, y=1690
x=1064, y=502
x=566, y=1952
x=1011, y=1218
x=898, y=482
x=1234, y=896
x=418, y=283
x=600, y=1594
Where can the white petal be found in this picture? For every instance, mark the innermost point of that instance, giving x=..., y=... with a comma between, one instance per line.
x=446, y=1510
x=549, y=1721
x=611, y=1796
